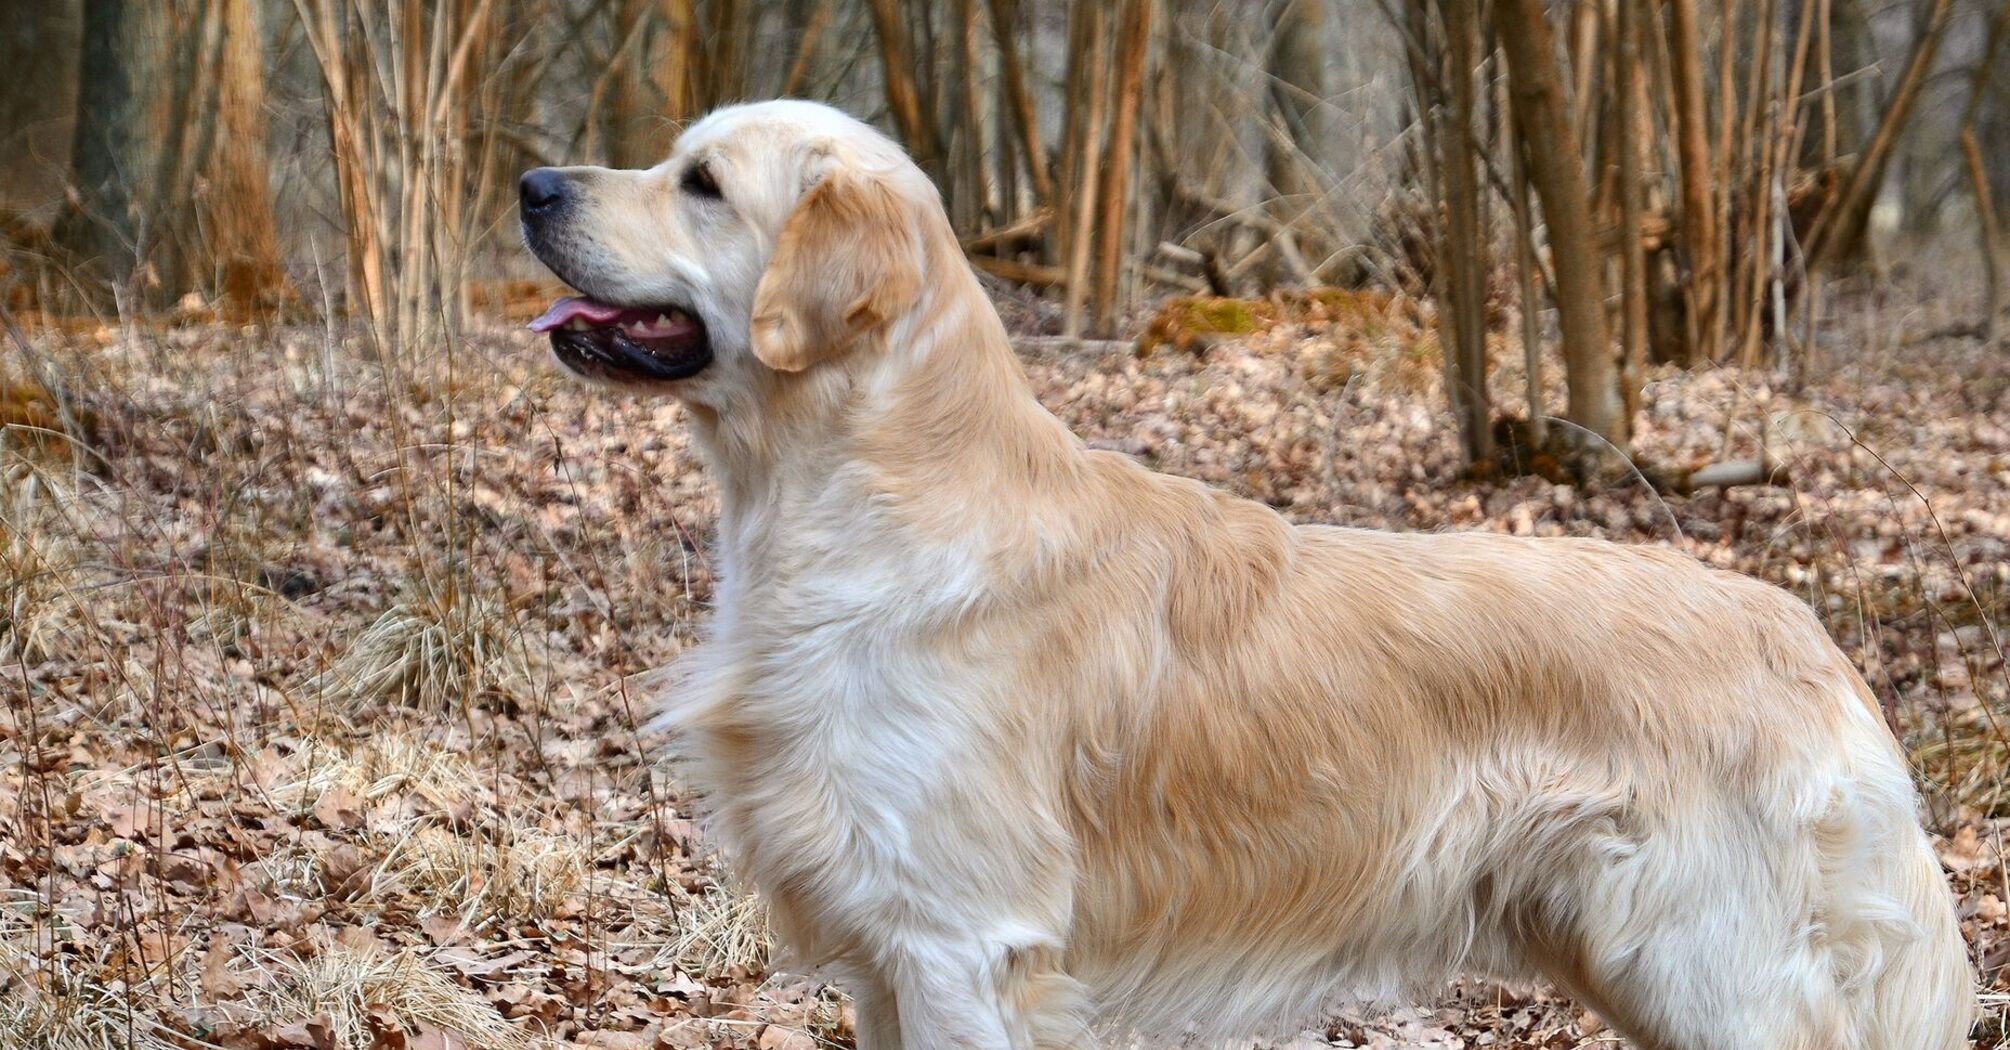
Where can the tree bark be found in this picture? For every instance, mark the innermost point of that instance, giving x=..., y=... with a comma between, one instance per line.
x=657, y=84
x=1836, y=227
x=902, y=96
x=1701, y=243
x=113, y=158
x=39, y=50
x=1025, y=114
x=1527, y=267
x=631, y=104
x=1633, y=132
x=808, y=47
x=1297, y=67
x=973, y=191
x=1988, y=229
x=1852, y=54
x=1088, y=56
x=1117, y=157
x=1536, y=89
x=243, y=238
x=1463, y=248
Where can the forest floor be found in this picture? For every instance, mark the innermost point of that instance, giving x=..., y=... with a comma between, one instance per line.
x=319, y=732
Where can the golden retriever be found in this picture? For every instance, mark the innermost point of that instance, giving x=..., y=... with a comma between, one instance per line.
x=1034, y=747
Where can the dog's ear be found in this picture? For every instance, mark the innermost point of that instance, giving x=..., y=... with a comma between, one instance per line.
x=848, y=261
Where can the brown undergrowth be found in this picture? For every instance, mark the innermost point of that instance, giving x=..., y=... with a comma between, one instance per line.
x=317, y=728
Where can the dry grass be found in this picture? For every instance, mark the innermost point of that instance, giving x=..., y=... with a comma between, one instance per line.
x=517, y=873
x=356, y=994
x=438, y=648
x=395, y=765
x=85, y=1016
x=43, y=559
x=328, y=670
x=720, y=929
x=66, y=1000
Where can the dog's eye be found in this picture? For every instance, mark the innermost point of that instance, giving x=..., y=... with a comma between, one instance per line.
x=698, y=180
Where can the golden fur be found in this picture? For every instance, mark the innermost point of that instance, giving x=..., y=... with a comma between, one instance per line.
x=1032, y=745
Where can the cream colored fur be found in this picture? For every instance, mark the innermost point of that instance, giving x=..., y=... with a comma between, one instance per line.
x=1034, y=747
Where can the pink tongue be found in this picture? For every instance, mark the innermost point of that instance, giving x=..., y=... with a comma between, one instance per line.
x=572, y=306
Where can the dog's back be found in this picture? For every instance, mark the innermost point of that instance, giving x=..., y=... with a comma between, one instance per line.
x=1358, y=762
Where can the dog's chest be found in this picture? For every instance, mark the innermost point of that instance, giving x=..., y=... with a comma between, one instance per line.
x=854, y=704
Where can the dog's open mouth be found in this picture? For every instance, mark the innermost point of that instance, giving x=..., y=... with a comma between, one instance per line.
x=611, y=342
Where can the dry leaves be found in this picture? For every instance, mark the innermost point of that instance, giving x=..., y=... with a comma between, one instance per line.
x=317, y=735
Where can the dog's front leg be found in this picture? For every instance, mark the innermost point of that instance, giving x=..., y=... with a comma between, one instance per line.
x=875, y=1012
x=945, y=997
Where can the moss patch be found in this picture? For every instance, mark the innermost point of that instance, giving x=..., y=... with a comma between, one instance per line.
x=1194, y=323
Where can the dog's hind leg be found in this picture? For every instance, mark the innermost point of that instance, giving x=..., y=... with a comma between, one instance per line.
x=1823, y=925
x=1695, y=936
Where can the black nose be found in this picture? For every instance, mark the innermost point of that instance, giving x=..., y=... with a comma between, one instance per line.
x=542, y=189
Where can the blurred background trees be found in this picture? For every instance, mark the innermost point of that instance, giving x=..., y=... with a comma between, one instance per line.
x=1639, y=181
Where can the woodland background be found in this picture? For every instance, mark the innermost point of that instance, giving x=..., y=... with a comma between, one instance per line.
x=321, y=594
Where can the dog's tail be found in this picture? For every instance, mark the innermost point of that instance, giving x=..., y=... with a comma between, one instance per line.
x=1894, y=944
x=1922, y=998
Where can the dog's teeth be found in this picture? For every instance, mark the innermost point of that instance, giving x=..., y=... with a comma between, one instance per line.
x=662, y=321
x=576, y=325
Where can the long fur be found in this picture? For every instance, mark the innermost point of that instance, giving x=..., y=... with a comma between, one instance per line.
x=1033, y=745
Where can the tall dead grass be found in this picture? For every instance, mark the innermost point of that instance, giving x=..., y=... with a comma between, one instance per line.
x=52, y=999
x=388, y=725
x=44, y=560
x=354, y=997
x=438, y=648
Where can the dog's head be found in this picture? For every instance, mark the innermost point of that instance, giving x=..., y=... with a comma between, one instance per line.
x=772, y=240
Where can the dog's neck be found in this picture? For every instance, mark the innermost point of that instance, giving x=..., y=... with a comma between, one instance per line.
x=928, y=423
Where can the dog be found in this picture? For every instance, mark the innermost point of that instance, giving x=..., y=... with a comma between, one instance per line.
x=1033, y=747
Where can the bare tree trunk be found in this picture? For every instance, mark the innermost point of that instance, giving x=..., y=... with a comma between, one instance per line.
x=1725, y=164
x=1585, y=27
x=1783, y=144
x=681, y=50
x=726, y=40
x=1297, y=67
x=1856, y=53
x=974, y=178
x=1758, y=262
x=1536, y=89
x=1750, y=227
x=243, y=238
x=902, y=96
x=1825, y=58
x=663, y=73
x=183, y=121
x=633, y=109
x=806, y=47
x=1633, y=130
x=114, y=156
x=400, y=114
x=1987, y=228
x=1088, y=55
x=1833, y=229
x=1117, y=161
x=1463, y=251
x=1700, y=238
x=1025, y=115
x=39, y=50
x=1527, y=268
